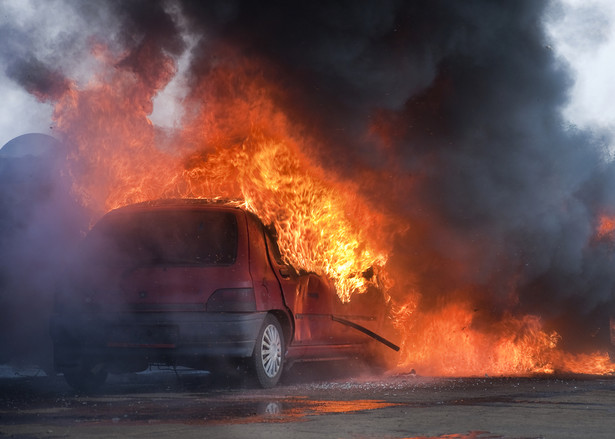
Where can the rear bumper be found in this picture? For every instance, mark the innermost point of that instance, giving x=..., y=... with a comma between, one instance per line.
x=178, y=338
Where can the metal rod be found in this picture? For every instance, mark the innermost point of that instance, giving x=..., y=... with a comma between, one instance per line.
x=366, y=331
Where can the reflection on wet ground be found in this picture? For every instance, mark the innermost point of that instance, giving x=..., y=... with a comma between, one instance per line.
x=163, y=398
x=192, y=409
x=471, y=435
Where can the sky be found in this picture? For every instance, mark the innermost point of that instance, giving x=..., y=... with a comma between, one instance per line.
x=40, y=27
x=582, y=32
x=20, y=112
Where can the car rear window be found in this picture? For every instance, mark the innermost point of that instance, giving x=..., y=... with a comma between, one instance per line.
x=166, y=237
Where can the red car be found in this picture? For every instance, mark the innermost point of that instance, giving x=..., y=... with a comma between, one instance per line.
x=198, y=284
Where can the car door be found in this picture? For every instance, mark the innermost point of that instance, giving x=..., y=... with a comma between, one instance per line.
x=308, y=298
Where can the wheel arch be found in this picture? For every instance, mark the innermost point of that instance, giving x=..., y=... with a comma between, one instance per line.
x=287, y=324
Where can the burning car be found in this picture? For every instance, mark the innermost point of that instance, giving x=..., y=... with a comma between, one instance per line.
x=199, y=284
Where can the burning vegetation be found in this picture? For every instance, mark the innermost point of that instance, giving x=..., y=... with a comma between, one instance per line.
x=393, y=148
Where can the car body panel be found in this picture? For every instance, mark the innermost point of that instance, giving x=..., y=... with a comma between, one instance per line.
x=142, y=309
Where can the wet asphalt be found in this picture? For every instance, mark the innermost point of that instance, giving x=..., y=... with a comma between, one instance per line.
x=318, y=400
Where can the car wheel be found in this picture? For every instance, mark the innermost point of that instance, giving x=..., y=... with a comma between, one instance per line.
x=86, y=378
x=268, y=357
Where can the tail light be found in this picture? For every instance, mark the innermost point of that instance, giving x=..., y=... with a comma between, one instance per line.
x=232, y=300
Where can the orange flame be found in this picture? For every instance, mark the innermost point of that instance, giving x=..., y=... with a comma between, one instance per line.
x=450, y=342
x=310, y=211
x=118, y=159
x=606, y=227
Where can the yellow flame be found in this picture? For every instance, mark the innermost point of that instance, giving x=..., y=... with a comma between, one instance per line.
x=309, y=211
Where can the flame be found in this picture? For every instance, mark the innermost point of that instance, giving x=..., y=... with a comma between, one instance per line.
x=451, y=341
x=309, y=210
x=606, y=227
x=237, y=142
x=118, y=158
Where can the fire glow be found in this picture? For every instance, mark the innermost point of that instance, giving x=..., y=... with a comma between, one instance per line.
x=236, y=143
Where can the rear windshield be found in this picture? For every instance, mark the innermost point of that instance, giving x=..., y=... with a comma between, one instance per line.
x=193, y=237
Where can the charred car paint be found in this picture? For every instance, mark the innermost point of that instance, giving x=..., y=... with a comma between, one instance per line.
x=198, y=284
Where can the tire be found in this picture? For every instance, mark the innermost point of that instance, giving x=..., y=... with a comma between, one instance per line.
x=86, y=378
x=268, y=357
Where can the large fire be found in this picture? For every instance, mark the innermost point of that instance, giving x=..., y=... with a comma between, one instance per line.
x=236, y=142
x=239, y=148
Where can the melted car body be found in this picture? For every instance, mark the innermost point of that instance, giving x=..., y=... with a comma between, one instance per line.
x=197, y=284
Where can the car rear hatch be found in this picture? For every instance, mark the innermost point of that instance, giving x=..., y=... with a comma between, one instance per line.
x=169, y=259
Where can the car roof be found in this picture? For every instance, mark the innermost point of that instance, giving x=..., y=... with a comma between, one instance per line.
x=181, y=204
x=191, y=204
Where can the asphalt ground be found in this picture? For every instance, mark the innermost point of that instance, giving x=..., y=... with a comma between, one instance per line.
x=313, y=401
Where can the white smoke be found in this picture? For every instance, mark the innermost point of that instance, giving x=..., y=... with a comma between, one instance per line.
x=583, y=34
x=57, y=34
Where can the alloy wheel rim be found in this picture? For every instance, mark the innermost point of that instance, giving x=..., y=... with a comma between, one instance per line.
x=271, y=349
